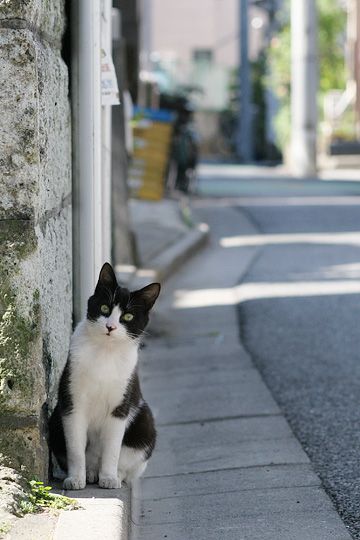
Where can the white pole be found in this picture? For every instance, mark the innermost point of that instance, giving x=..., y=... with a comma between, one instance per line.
x=303, y=87
x=86, y=103
x=106, y=34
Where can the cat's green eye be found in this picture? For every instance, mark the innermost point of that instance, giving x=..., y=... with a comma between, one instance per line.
x=128, y=317
x=105, y=310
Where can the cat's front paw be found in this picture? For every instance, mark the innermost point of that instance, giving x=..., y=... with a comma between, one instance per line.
x=109, y=482
x=92, y=476
x=74, y=482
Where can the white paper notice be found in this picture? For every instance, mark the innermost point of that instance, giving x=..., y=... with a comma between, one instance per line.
x=109, y=85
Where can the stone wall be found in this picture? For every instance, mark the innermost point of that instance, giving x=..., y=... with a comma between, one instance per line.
x=35, y=225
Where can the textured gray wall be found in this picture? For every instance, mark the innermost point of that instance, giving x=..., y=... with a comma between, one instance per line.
x=35, y=224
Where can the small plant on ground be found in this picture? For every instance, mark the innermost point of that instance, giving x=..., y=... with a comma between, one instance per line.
x=41, y=498
x=4, y=528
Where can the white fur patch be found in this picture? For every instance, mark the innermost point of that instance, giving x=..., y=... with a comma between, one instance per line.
x=132, y=464
x=101, y=366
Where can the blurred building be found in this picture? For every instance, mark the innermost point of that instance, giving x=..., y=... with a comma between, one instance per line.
x=194, y=43
x=197, y=44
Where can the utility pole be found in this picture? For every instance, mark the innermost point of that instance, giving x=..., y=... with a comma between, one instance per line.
x=87, y=147
x=244, y=142
x=304, y=76
x=106, y=116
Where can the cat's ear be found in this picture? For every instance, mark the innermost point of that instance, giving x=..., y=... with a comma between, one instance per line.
x=107, y=278
x=148, y=294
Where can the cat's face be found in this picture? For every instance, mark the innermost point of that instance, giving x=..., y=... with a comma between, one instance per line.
x=117, y=313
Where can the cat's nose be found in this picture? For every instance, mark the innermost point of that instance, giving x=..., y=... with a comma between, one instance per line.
x=111, y=327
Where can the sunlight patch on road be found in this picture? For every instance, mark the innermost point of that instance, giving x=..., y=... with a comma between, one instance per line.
x=256, y=291
x=352, y=238
x=205, y=298
x=224, y=202
x=348, y=271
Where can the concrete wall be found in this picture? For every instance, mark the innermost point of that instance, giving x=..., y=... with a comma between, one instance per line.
x=35, y=224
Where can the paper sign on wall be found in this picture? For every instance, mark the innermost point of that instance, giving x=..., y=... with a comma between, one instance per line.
x=109, y=85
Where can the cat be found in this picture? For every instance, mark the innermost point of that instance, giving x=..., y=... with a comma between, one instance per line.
x=101, y=429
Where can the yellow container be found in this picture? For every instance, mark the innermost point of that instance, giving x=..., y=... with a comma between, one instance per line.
x=151, y=153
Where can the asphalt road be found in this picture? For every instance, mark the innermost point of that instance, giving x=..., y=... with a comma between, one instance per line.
x=301, y=321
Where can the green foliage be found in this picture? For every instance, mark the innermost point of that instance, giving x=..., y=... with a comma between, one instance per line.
x=258, y=98
x=263, y=149
x=18, y=333
x=332, y=70
x=332, y=24
x=4, y=528
x=282, y=125
x=40, y=498
x=280, y=64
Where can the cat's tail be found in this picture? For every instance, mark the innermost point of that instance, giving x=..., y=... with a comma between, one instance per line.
x=57, y=444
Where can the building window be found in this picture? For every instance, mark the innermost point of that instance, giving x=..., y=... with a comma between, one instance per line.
x=203, y=56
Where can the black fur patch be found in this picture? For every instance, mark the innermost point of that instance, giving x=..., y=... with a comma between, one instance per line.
x=56, y=430
x=131, y=398
x=141, y=433
x=57, y=438
x=65, y=400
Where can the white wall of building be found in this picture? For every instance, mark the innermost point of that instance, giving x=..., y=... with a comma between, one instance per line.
x=181, y=27
x=175, y=30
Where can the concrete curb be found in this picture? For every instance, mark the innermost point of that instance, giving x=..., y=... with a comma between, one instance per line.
x=98, y=517
x=163, y=265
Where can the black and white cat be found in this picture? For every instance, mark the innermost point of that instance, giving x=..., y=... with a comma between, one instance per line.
x=101, y=429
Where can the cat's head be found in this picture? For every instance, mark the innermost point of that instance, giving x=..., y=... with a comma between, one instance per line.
x=117, y=313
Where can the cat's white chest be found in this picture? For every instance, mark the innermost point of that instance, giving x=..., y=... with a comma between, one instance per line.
x=99, y=377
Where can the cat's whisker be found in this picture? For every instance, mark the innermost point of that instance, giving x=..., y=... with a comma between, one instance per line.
x=134, y=336
x=145, y=333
